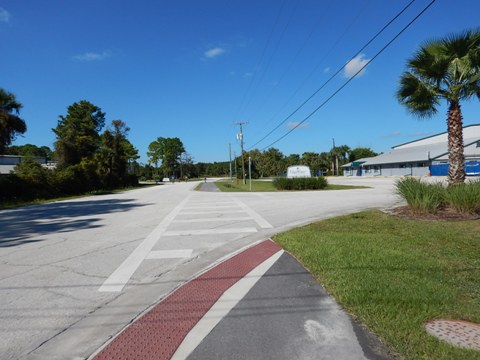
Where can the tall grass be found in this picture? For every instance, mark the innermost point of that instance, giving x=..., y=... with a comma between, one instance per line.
x=422, y=198
x=464, y=198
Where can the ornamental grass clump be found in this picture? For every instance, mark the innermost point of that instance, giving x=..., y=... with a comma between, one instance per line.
x=300, y=183
x=422, y=198
x=464, y=198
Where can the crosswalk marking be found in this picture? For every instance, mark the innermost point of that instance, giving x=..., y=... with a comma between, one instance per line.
x=210, y=231
x=202, y=220
x=118, y=279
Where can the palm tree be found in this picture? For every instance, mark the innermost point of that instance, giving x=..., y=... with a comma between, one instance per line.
x=10, y=123
x=446, y=69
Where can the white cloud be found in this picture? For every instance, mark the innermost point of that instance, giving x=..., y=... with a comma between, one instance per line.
x=354, y=65
x=296, y=124
x=213, y=53
x=4, y=16
x=392, y=134
x=91, y=56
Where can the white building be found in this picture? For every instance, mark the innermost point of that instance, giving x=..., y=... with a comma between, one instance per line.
x=8, y=162
x=427, y=156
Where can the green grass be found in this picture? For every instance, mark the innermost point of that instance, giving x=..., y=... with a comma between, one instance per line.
x=267, y=186
x=394, y=274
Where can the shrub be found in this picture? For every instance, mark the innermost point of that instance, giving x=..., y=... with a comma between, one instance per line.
x=464, y=198
x=12, y=188
x=422, y=198
x=300, y=183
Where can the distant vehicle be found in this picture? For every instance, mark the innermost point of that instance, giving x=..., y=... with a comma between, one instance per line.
x=298, y=171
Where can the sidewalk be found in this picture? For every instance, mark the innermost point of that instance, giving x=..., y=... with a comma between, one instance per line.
x=258, y=304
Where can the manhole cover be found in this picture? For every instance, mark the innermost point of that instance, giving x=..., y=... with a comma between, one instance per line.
x=459, y=333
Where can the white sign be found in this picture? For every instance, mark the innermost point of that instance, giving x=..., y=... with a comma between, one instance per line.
x=298, y=171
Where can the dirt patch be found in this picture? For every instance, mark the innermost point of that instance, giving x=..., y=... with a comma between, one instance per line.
x=442, y=215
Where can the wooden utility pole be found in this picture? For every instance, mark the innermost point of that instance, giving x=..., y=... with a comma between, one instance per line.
x=240, y=137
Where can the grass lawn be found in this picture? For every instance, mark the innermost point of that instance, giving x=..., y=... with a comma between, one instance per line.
x=258, y=185
x=393, y=274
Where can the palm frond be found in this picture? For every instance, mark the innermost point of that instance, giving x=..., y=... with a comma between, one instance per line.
x=429, y=62
x=459, y=45
x=420, y=97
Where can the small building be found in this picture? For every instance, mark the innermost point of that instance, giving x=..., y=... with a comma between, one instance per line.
x=423, y=157
x=8, y=162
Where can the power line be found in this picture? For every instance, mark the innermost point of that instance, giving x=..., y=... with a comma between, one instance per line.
x=336, y=73
x=335, y=44
x=355, y=75
x=261, y=59
x=294, y=59
x=264, y=72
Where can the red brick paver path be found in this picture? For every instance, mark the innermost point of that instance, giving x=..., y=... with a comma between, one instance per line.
x=158, y=333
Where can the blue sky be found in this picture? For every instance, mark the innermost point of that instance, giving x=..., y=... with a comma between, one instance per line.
x=192, y=68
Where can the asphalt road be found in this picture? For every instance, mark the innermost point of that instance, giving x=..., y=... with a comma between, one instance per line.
x=74, y=273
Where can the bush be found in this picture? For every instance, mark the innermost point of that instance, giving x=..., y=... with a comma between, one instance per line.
x=422, y=198
x=12, y=188
x=35, y=179
x=300, y=183
x=464, y=198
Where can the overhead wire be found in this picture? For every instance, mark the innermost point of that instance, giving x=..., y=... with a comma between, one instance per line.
x=294, y=59
x=336, y=73
x=269, y=61
x=255, y=69
x=354, y=76
x=319, y=63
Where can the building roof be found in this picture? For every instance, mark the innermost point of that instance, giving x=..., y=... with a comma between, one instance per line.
x=422, y=150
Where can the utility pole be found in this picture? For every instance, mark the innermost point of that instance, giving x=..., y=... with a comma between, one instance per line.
x=335, y=165
x=230, y=155
x=240, y=137
x=235, y=160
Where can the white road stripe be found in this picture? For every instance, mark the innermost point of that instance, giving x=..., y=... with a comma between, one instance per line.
x=213, y=219
x=222, y=307
x=255, y=216
x=212, y=212
x=170, y=254
x=209, y=231
x=117, y=280
x=211, y=207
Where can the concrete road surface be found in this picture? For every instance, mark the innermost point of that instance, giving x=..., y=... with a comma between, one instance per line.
x=74, y=273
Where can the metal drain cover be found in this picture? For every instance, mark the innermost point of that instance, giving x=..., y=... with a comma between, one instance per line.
x=456, y=332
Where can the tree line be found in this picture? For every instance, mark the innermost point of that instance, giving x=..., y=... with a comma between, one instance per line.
x=87, y=158
x=177, y=163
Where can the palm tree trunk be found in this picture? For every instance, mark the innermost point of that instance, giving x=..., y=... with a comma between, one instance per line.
x=456, y=158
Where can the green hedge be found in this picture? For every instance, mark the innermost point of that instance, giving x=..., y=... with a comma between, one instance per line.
x=300, y=183
x=31, y=181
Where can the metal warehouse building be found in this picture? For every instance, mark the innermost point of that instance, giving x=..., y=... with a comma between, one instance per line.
x=427, y=156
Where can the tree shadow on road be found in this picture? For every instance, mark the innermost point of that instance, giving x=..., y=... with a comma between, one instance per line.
x=22, y=225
